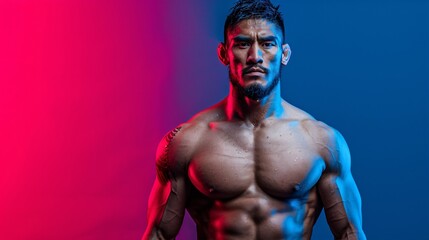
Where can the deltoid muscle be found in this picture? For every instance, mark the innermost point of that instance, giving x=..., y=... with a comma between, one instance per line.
x=162, y=164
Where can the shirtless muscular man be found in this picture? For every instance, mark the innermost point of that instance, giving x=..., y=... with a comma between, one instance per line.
x=253, y=166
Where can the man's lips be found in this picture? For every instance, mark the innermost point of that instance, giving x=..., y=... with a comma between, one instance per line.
x=253, y=71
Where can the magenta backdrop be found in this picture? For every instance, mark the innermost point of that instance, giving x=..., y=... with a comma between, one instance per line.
x=79, y=116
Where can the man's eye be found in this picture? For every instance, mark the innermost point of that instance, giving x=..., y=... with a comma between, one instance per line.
x=242, y=44
x=268, y=44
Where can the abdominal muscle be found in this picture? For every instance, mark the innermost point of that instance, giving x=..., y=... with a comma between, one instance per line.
x=256, y=215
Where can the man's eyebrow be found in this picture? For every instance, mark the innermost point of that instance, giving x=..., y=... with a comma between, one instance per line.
x=268, y=38
x=241, y=39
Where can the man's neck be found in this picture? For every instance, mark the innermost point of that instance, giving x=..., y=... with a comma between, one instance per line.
x=251, y=111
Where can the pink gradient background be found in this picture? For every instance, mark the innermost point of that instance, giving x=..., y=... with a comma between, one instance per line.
x=80, y=116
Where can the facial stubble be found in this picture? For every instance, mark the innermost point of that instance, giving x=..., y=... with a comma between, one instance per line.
x=254, y=91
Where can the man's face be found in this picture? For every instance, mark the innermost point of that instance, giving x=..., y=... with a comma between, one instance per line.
x=254, y=53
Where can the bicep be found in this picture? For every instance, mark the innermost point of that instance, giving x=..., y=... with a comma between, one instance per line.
x=167, y=201
x=166, y=209
x=339, y=193
x=342, y=203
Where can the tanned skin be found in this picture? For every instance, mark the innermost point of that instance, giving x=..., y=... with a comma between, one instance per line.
x=254, y=169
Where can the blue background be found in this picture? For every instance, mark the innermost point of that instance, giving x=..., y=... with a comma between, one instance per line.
x=362, y=67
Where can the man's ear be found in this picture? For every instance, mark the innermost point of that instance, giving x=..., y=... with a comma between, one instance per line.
x=222, y=55
x=286, y=54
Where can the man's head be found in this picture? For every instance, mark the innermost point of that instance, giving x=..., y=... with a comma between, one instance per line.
x=254, y=47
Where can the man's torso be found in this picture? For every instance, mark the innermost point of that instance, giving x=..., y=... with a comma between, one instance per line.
x=254, y=182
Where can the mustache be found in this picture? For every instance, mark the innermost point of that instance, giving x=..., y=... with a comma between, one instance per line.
x=254, y=68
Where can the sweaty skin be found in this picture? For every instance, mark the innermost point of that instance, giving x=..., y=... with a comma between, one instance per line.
x=254, y=169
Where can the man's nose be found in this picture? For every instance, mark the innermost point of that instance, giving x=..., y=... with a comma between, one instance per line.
x=254, y=55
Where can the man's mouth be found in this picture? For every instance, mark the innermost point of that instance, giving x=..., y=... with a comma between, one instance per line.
x=254, y=74
x=254, y=71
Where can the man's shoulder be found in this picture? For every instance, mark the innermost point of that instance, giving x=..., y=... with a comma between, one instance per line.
x=327, y=139
x=175, y=150
x=185, y=134
x=315, y=128
x=182, y=139
x=319, y=130
x=330, y=142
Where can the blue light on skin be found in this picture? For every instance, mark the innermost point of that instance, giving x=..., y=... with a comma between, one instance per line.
x=338, y=189
x=293, y=123
x=351, y=198
x=292, y=226
x=312, y=177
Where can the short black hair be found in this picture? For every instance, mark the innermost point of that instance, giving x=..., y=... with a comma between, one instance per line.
x=253, y=9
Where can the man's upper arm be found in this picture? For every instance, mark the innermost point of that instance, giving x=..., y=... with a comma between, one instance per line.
x=167, y=199
x=338, y=190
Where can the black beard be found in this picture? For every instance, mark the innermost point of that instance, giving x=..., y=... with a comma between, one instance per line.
x=254, y=91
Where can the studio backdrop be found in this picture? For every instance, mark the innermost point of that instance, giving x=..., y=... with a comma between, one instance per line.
x=88, y=88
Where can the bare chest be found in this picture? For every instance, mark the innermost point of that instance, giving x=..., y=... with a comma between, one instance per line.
x=282, y=161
